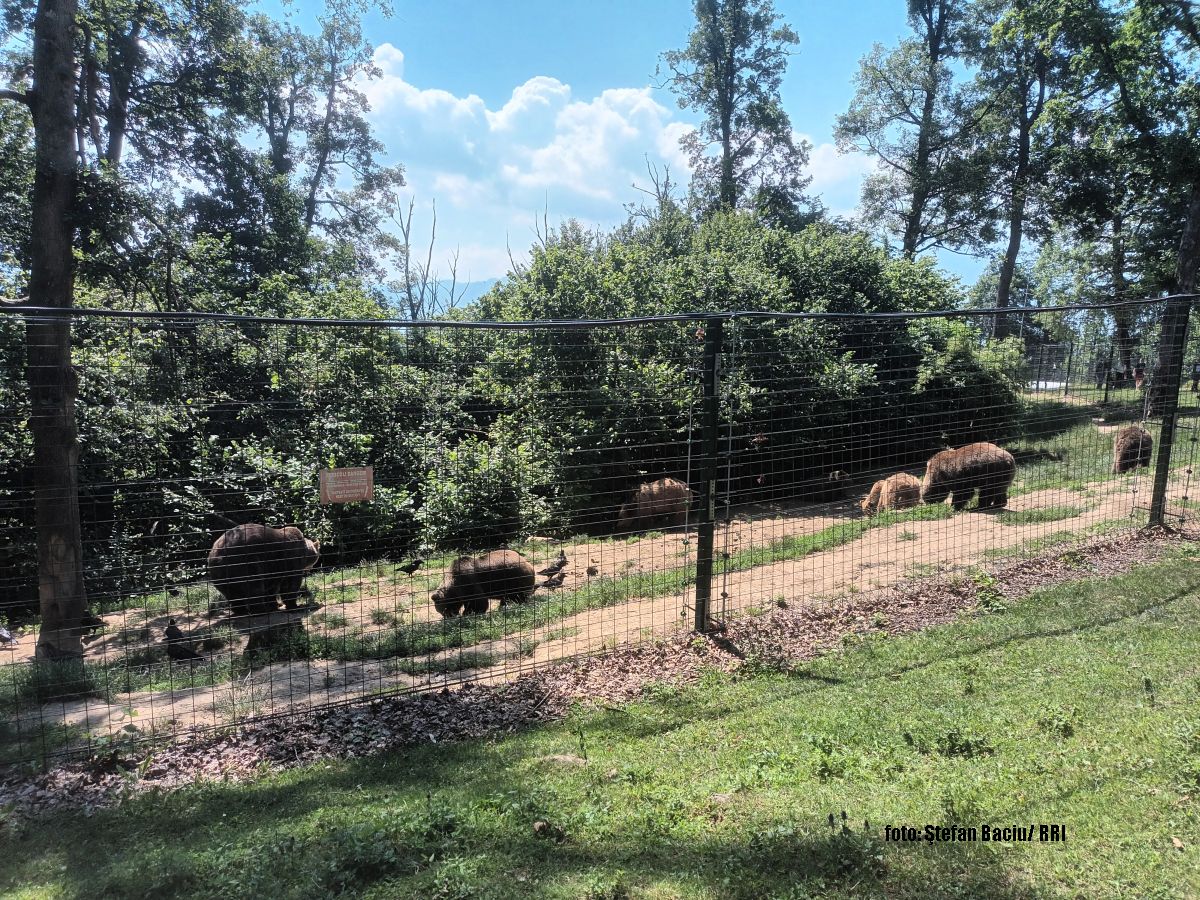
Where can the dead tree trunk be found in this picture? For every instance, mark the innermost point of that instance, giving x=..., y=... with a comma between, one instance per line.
x=52, y=381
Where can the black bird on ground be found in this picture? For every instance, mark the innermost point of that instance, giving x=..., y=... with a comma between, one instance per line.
x=91, y=623
x=409, y=567
x=177, y=645
x=554, y=581
x=557, y=566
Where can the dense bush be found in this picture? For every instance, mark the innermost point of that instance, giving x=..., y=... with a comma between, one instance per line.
x=481, y=437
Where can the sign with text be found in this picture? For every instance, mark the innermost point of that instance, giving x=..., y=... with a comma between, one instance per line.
x=347, y=485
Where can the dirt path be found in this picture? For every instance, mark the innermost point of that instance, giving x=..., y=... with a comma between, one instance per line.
x=879, y=558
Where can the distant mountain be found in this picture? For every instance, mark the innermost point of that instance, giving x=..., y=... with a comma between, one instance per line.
x=466, y=293
x=473, y=290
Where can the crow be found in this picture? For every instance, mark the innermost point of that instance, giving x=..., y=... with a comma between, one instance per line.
x=554, y=581
x=6, y=638
x=177, y=647
x=410, y=567
x=593, y=571
x=90, y=622
x=557, y=566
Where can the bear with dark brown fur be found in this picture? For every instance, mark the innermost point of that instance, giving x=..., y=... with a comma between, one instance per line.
x=1131, y=448
x=656, y=504
x=473, y=581
x=899, y=491
x=255, y=566
x=958, y=474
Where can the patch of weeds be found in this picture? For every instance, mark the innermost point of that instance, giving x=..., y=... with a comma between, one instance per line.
x=559, y=634
x=754, y=610
x=606, y=886
x=1060, y=722
x=987, y=592
x=442, y=665
x=907, y=536
x=331, y=620
x=1038, y=516
x=962, y=809
x=526, y=646
x=661, y=692
x=922, y=570
x=954, y=742
x=380, y=616
x=1185, y=758
x=44, y=681
x=761, y=664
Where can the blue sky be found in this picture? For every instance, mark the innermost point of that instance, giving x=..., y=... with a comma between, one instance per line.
x=500, y=110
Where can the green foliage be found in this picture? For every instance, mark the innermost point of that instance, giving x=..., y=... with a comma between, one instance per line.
x=482, y=494
x=730, y=71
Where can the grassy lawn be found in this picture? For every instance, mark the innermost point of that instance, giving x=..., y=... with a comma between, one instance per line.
x=1079, y=705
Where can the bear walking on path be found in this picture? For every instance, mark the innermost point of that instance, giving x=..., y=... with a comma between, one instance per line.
x=899, y=491
x=958, y=474
x=254, y=566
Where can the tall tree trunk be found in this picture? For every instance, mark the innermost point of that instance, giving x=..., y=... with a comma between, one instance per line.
x=318, y=175
x=1189, y=246
x=933, y=14
x=1026, y=120
x=52, y=381
x=1122, y=318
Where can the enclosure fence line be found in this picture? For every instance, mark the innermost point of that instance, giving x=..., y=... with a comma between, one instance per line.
x=541, y=490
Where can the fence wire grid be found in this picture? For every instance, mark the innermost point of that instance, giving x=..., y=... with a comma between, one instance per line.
x=645, y=476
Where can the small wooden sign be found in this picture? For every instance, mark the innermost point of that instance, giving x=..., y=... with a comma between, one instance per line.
x=347, y=485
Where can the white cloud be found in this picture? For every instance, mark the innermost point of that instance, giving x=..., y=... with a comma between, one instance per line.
x=537, y=95
x=495, y=171
x=837, y=177
x=543, y=149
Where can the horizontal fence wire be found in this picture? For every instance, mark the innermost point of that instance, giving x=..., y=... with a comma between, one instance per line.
x=542, y=492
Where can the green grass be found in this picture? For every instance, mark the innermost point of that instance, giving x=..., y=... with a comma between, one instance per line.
x=1060, y=447
x=1038, y=516
x=1075, y=706
x=1059, y=539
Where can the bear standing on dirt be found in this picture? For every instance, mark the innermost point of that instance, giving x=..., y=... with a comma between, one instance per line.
x=472, y=582
x=1131, y=448
x=656, y=504
x=960, y=473
x=253, y=566
x=899, y=491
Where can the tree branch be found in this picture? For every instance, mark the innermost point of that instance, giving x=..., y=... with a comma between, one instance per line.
x=25, y=97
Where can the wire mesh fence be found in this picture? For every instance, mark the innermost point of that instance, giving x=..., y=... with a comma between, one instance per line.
x=541, y=492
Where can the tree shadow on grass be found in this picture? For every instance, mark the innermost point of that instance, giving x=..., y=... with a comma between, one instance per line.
x=397, y=825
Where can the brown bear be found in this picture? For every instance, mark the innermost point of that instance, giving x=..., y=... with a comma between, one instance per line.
x=253, y=566
x=656, y=504
x=1131, y=448
x=960, y=473
x=473, y=581
x=899, y=491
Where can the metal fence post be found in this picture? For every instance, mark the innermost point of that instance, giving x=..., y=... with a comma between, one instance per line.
x=1170, y=359
x=709, y=430
x=1108, y=372
x=1070, y=359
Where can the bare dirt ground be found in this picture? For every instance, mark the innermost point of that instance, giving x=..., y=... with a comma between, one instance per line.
x=880, y=558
